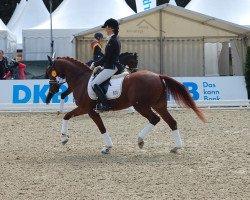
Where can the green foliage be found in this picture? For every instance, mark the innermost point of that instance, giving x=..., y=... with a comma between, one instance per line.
x=247, y=71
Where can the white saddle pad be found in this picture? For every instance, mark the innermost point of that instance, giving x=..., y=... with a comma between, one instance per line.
x=114, y=89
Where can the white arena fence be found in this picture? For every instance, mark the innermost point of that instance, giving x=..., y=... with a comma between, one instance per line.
x=227, y=92
x=236, y=104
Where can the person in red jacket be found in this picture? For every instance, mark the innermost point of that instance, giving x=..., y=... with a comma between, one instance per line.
x=15, y=70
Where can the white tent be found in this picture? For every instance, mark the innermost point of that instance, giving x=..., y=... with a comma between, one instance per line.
x=31, y=14
x=236, y=11
x=19, y=9
x=173, y=40
x=7, y=40
x=68, y=19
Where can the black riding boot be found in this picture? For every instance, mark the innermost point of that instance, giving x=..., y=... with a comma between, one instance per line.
x=102, y=97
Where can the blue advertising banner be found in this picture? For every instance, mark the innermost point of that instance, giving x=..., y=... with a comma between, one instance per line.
x=27, y=93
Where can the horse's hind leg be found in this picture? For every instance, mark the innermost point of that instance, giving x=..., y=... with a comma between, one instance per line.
x=153, y=120
x=161, y=109
x=76, y=112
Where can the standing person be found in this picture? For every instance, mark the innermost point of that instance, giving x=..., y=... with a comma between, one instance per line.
x=110, y=62
x=3, y=65
x=96, y=47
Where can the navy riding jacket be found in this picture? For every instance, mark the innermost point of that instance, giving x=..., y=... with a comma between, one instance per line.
x=110, y=60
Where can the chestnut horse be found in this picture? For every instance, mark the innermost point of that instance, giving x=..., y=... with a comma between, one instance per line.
x=127, y=58
x=144, y=90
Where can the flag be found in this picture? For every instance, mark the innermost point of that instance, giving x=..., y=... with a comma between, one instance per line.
x=143, y=5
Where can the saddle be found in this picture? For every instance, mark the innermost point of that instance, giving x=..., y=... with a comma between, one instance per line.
x=112, y=87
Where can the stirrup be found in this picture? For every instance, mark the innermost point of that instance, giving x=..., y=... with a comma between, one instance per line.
x=101, y=108
x=98, y=108
x=105, y=107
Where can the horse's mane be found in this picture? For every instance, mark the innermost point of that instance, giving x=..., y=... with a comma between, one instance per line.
x=76, y=63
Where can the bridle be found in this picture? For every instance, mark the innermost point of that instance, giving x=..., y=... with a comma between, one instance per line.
x=55, y=81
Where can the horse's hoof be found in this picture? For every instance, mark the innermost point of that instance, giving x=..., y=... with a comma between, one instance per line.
x=64, y=139
x=140, y=142
x=106, y=149
x=174, y=150
x=131, y=110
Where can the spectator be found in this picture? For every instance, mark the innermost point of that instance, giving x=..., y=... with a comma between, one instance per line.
x=96, y=46
x=3, y=65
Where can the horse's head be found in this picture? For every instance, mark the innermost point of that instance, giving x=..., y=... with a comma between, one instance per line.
x=129, y=59
x=62, y=69
x=52, y=74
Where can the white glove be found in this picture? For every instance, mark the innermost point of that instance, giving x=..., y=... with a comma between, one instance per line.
x=92, y=66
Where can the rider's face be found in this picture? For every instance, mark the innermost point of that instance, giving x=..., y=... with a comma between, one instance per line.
x=109, y=30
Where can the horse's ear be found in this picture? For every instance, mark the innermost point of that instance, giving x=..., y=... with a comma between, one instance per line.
x=50, y=60
x=54, y=56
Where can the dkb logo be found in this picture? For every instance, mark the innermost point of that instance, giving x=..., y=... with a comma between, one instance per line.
x=192, y=88
x=23, y=94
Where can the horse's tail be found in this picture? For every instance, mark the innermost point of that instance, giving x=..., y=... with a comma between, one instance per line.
x=181, y=95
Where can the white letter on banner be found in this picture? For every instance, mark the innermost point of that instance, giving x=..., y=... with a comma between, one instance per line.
x=142, y=5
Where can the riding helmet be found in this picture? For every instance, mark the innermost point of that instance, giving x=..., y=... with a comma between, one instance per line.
x=98, y=35
x=112, y=23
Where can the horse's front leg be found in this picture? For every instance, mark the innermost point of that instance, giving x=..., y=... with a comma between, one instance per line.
x=105, y=136
x=63, y=96
x=76, y=112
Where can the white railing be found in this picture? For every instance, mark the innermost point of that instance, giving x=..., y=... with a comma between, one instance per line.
x=226, y=104
x=42, y=107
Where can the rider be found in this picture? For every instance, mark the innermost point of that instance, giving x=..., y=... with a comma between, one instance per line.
x=96, y=46
x=110, y=62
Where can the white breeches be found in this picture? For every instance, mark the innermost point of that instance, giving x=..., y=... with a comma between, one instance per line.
x=103, y=76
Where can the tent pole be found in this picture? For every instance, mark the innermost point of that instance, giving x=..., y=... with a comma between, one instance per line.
x=51, y=30
x=161, y=43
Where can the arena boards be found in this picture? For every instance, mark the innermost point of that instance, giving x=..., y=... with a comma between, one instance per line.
x=30, y=95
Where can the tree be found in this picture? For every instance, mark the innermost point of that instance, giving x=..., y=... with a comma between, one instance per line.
x=247, y=71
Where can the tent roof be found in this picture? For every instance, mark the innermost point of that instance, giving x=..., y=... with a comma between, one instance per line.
x=176, y=22
x=33, y=13
x=236, y=11
x=80, y=14
x=4, y=28
x=16, y=14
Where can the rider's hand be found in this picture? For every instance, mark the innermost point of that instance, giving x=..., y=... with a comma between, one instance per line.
x=92, y=66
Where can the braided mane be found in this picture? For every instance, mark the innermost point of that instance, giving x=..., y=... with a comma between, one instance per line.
x=76, y=63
